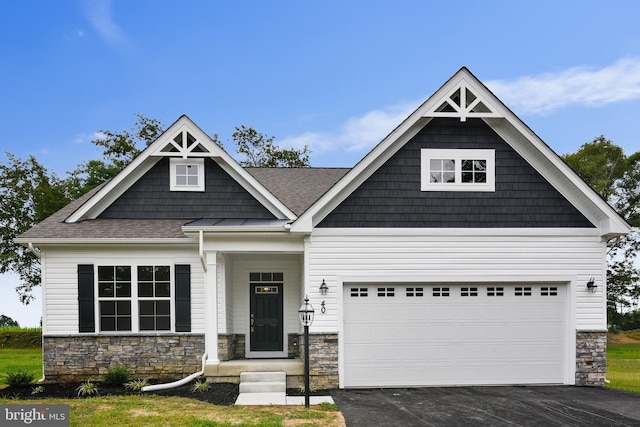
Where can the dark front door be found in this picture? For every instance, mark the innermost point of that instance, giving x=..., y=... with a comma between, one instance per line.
x=266, y=316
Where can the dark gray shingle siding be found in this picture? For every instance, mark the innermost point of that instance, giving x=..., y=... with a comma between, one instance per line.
x=391, y=197
x=151, y=198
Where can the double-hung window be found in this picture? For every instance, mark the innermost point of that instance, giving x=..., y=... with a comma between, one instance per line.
x=114, y=294
x=154, y=298
x=457, y=170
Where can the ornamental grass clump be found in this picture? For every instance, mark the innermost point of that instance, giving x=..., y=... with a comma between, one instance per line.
x=88, y=388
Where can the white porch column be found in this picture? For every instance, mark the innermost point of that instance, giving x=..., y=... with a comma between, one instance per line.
x=211, y=308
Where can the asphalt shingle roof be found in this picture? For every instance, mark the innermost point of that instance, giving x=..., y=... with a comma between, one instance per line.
x=297, y=188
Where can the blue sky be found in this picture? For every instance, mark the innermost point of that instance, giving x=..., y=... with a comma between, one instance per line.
x=335, y=75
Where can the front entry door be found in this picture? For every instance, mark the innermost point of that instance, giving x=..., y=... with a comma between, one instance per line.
x=266, y=315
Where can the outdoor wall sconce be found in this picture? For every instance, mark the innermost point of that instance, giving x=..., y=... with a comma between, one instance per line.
x=323, y=288
x=323, y=309
x=591, y=285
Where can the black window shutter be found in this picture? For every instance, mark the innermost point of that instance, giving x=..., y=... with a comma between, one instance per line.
x=183, y=298
x=86, y=304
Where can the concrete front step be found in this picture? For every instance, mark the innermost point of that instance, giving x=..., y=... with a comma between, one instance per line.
x=263, y=387
x=256, y=377
x=263, y=382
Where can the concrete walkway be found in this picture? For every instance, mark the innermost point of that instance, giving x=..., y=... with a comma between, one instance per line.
x=278, y=399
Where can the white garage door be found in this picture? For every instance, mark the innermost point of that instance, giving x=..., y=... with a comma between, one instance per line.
x=415, y=335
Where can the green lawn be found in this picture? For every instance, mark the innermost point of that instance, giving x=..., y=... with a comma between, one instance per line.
x=14, y=359
x=623, y=366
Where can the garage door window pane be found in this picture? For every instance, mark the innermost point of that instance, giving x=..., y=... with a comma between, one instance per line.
x=495, y=292
x=359, y=292
x=415, y=292
x=440, y=292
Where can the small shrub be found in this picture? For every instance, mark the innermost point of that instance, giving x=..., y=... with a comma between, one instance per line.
x=136, y=385
x=200, y=386
x=20, y=378
x=116, y=376
x=88, y=388
x=37, y=389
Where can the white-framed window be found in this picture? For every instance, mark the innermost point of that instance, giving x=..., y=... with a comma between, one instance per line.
x=457, y=170
x=186, y=174
x=134, y=298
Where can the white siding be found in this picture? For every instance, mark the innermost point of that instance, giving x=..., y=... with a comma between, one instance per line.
x=343, y=256
x=60, y=279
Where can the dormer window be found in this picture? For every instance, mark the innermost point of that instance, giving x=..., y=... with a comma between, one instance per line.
x=186, y=174
x=457, y=170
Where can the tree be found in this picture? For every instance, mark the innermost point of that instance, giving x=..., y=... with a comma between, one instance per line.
x=259, y=150
x=7, y=321
x=616, y=177
x=120, y=148
x=28, y=195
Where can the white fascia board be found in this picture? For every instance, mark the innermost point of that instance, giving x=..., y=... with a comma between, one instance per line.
x=106, y=241
x=461, y=232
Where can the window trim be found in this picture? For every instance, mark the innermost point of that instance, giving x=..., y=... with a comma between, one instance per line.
x=173, y=165
x=457, y=155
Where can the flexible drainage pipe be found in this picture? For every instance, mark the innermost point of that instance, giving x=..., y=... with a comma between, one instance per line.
x=178, y=383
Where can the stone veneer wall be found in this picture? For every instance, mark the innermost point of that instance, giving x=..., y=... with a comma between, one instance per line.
x=323, y=360
x=158, y=356
x=591, y=358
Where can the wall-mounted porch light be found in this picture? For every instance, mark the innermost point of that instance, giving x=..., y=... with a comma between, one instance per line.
x=591, y=285
x=323, y=288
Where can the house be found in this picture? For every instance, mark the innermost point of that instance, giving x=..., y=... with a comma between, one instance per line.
x=461, y=250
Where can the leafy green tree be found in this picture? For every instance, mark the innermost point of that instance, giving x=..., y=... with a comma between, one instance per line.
x=616, y=177
x=259, y=150
x=28, y=195
x=7, y=321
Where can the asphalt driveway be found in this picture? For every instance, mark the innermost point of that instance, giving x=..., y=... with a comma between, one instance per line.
x=489, y=406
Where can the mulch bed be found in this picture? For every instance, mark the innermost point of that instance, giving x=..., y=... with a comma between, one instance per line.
x=219, y=393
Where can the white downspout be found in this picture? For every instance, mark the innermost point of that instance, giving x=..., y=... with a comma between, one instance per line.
x=178, y=383
x=35, y=250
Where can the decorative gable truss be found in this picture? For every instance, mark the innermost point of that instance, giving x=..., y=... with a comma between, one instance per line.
x=463, y=102
x=187, y=146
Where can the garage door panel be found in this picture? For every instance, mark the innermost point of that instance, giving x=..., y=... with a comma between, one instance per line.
x=399, y=339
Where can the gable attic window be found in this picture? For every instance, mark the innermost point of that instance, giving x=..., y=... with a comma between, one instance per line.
x=186, y=174
x=457, y=170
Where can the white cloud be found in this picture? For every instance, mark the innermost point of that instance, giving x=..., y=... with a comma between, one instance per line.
x=359, y=133
x=84, y=138
x=617, y=82
x=99, y=14
x=528, y=94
